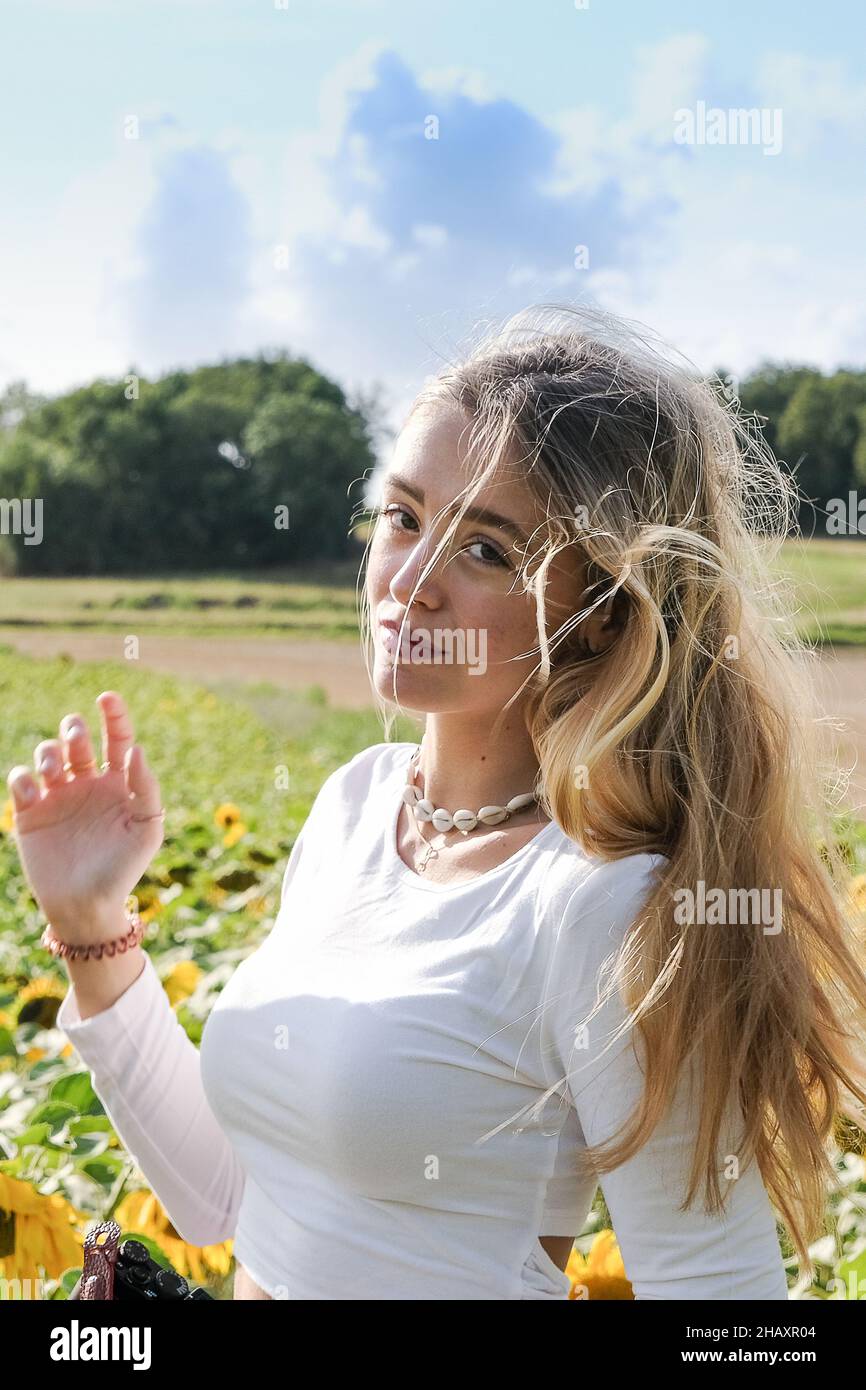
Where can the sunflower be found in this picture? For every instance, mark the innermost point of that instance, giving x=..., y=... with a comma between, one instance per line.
x=7, y=818
x=40, y=999
x=182, y=980
x=38, y=1234
x=601, y=1273
x=234, y=833
x=142, y=1211
x=227, y=814
x=147, y=901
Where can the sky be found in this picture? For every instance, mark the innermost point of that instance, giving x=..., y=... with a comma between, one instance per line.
x=370, y=184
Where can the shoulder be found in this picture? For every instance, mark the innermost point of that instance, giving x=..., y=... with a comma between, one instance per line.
x=604, y=903
x=587, y=929
x=368, y=770
x=375, y=762
x=617, y=879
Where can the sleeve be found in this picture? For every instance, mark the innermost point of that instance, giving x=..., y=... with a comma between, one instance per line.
x=147, y=1073
x=667, y=1253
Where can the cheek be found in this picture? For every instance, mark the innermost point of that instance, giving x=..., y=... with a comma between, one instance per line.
x=510, y=626
x=379, y=570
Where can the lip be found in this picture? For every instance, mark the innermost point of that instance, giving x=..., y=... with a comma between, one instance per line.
x=388, y=635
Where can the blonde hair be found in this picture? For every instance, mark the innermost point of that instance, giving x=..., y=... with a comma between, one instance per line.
x=697, y=729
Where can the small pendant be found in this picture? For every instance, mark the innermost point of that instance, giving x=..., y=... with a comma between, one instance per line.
x=431, y=854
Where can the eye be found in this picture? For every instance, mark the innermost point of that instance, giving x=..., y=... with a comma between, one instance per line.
x=390, y=512
x=498, y=557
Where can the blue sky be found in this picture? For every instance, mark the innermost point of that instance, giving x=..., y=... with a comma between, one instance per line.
x=282, y=188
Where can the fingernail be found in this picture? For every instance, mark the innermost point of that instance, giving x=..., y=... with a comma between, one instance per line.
x=45, y=763
x=26, y=793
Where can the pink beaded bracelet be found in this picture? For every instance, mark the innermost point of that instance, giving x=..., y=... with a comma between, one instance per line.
x=117, y=946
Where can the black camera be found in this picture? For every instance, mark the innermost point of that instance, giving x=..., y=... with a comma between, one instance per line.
x=127, y=1272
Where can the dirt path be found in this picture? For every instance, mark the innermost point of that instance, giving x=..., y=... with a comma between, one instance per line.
x=294, y=665
x=843, y=688
x=339, y=669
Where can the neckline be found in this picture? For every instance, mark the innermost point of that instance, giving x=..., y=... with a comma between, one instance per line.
x=401, y=870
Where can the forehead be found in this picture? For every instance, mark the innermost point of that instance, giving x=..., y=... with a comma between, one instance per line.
x=432, y=454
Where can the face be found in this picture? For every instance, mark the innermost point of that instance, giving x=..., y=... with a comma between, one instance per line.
x=470, y=639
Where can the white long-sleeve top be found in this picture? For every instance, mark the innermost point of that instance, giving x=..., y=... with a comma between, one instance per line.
x=366, y=1116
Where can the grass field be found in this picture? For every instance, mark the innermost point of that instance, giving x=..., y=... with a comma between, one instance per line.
x=287, y=603
x=829, y=579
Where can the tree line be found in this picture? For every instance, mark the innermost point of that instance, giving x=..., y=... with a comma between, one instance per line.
x=249, y=463
x=261, y=461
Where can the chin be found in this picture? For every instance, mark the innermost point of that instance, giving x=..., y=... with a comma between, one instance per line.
x=414, y=688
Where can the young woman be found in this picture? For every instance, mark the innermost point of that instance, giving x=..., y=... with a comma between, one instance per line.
x=494, y=979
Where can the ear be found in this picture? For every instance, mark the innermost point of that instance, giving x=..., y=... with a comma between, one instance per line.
x=601, y=629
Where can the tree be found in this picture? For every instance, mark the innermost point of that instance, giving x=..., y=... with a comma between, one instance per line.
x=186, y=472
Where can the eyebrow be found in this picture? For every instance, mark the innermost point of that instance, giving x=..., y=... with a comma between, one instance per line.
x=481, y=514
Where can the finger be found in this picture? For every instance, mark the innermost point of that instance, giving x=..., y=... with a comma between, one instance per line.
x=77, y=748
x=23, y=788
x=117, y=733
x=142, y=785
x=48, y=761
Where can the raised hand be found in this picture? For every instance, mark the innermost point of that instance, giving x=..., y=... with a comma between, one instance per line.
x=86, y=835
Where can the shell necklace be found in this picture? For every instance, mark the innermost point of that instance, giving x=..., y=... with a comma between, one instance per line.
x=465, y=821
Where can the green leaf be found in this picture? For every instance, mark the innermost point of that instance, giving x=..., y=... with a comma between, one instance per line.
x=76, y=1090
x=34, y=1134
x=853, y=1272
x=65, y=1284
x=53, y=1113
x=103, y=1170
x=90, y=1124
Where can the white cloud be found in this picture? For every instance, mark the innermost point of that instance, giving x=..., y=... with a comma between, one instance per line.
x=429, y=234
x=467, y=82
x=819, y=99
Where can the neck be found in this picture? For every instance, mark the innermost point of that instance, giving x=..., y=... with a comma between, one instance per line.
x=465, y=765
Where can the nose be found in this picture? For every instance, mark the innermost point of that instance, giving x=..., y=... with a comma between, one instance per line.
x=402, y=583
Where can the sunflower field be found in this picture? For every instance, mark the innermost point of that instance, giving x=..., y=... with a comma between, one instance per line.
x=237, y=784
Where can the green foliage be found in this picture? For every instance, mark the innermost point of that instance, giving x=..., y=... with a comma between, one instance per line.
x=186, y=472
x=816, y=425
x=822, y=426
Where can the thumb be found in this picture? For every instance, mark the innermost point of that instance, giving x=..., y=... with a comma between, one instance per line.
x=141, y=784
